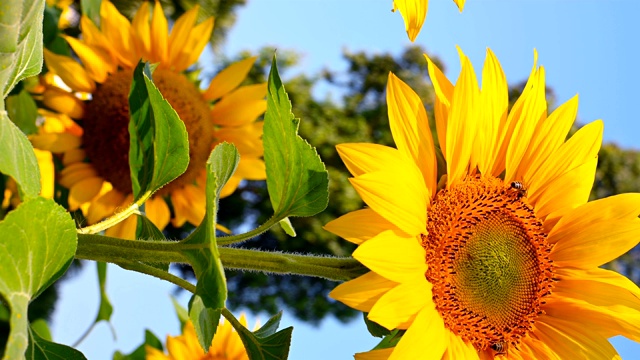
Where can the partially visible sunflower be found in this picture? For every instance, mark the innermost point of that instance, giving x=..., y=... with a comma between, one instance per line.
x=414, y=12
x=500, y=256
x=226, y=345
x=95, y=150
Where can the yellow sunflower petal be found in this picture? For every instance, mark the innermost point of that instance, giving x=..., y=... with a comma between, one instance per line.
x=72, y=73
x=97, y=62
x=444, y=95
x=73, y=173
x=495, y=104
x=551, y=134
x=410, y=128
x=534, y=107
x=569, y=190
x=55, y=143
x=414, y=12
x=124, y=230
x=570, y=340
x=251, y=169
x=47, y=173
x=104, y=206
x=581, y=147
x=245, y=138
x=617, y=207
x=230, y=186
x=402, y=303
x=462, y=123
x=399, y=196
x=396, y=258
x=229, y=79
x=459, y=349
x=596, y=243
x=117, y=30
x=63, y=102
x=181, y=31
x=460, y=4
x=189, y=205
x=85, y=190
x=155, y=354
x=379, y=354
x=359, y=226
x=363, y=158
x=157, y=211
x=197, y=42
x=141, y=31
x=73, y=156
x=425, y=339
x=362, y=292
x=241, y=106
x=94, y=37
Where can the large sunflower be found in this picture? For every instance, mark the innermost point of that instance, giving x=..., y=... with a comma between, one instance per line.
x=501, y=255
x=414, y=12
x=95, y=150
x=226, y=345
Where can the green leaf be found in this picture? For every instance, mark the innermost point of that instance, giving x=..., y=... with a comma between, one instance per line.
x=20, y=43
x=140, y=353
x=22, y=111
x=39, y=240
x=287, y=227
x=297, y=180
x=212, y=284
x=40, y=327
x=204, y=320
x=159, y=150
x=91, y=9
x=148, y=231
x=17, y=158
x=41, y=349
x=106, y=309
x=265, y=343
x=183, y=315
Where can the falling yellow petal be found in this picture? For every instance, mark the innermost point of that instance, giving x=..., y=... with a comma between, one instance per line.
x=414, y=12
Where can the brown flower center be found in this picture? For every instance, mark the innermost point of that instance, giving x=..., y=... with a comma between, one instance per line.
x=488, y=261
x=106, y=126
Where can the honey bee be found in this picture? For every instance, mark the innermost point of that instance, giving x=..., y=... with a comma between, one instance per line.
x=499, y=348
x=519, y=187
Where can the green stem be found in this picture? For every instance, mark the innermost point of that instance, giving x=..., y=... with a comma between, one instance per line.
x=108, y=249
x=116, y=218
x=161, y=274
x=235, y=239
x=332, y=268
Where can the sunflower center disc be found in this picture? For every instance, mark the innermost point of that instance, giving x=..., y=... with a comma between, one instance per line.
x=488, y=262
x=106, y=126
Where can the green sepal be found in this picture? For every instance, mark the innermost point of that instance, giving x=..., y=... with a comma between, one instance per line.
x=140, y=353
x=181, y=312
x=264, y=343
x=390, y=340
x=297, y=180
x=159, y=145
x=39, y=241
x=374, y=328
x=23, y=111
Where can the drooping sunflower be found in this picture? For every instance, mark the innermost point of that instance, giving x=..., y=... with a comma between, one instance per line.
x=226, y=345
x=95, y=148
x=499, y=256
x=414, y=12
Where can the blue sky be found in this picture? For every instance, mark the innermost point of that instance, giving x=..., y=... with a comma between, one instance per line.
x=587, y=47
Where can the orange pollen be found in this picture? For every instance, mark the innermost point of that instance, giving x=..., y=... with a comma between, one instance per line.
x=488, y=261
x=106, y=126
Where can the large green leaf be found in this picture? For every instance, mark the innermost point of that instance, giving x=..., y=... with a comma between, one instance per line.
x=20, y=43
x=39, y=240
x=159, y=150
x=264, y=343
x=41, y=349
x=17, y=158
x=205, y=321
x=297, y=180
x=212, y=285
x=106, y=309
